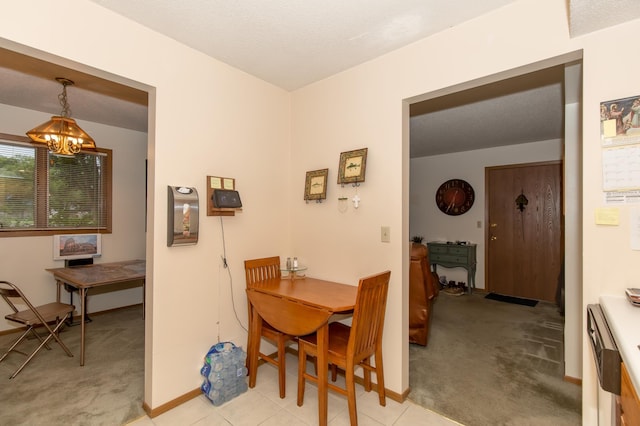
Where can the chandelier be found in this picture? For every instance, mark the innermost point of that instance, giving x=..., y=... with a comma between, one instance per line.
x=61, y=134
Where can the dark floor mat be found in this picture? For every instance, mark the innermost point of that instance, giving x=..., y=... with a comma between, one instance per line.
x=511, y=299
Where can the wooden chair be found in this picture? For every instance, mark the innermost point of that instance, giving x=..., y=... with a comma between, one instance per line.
x=34, y=316
x=350, y=347
x=258, y=270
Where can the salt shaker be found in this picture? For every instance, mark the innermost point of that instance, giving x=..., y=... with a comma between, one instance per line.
x=295, y=263
x=288, y=263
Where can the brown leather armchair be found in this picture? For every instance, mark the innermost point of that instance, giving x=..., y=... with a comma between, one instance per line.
x=423, y=289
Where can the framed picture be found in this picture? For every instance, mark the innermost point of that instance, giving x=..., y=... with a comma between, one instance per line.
x=620, y=121
x=76, y=246
x=315, y=186
x=352, y=166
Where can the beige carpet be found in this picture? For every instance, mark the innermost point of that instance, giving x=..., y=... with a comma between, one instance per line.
x=54, y=389
x=494, y=363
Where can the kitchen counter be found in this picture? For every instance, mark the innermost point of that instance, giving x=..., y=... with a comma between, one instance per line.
x=624, y=322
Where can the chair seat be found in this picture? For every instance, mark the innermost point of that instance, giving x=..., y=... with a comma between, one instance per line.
x=338, y=342
x=50, y=312
x=266, y=327
x=271, y=333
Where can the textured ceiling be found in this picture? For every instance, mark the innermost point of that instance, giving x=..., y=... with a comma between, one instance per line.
x=586, y=16
x=522, y=109
x=291, y=44
x=294, y=43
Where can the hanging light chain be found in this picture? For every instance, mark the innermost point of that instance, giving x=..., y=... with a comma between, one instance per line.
x=62, y=97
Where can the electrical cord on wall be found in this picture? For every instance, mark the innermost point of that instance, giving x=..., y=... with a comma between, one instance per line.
x=225, y=264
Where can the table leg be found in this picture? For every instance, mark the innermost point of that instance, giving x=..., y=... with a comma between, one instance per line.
x=254, y=346
x=59, y=284
x=82, y=293
x=471, y=277
x=323, y=346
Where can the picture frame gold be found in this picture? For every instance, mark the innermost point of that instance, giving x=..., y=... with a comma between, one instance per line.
x=315, y=186
x=352, y=166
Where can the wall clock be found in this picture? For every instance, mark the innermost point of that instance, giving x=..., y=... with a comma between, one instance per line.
x=455, y=197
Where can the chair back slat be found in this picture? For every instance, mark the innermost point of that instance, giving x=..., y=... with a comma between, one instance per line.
x=368, y=316
x=260, y=270
x=31, y=315
x=257, y=270
x=10, y=291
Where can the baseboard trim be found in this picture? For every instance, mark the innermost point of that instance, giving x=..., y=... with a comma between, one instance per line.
x=155, y=412
x=394, y=396
x=197, y=392
x=107, y=311
x=573, y=380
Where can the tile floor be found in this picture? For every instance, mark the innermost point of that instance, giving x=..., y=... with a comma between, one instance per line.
x=262, y=406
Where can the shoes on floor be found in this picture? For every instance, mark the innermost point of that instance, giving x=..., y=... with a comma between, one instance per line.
x=454, y=291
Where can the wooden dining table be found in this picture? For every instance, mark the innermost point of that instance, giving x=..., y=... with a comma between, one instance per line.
x=298, y=307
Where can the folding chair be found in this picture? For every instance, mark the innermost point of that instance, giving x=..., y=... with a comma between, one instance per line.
x=34, y=316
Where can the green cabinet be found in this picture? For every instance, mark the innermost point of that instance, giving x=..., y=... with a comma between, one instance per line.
x=454, y=256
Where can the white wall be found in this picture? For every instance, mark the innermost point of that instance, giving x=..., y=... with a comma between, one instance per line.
x=428, y=173
x=24, y=259
x=206, y=118
x=267, y=139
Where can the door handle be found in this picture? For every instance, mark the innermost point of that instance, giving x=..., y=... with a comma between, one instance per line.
x=493, y=225
x=493, y=238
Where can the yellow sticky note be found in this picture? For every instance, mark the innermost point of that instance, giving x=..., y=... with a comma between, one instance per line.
x=608, y=216
x=216, y=183
x=228, y=183
x=609, y=128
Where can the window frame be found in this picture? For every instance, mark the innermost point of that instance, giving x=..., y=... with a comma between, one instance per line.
x=41, y=213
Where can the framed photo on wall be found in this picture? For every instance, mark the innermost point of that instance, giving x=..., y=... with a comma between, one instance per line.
x=352, y=166
x=76, y=246
x=315, y=186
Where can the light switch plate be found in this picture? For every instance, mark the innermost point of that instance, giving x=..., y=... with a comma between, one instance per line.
x=385, y=234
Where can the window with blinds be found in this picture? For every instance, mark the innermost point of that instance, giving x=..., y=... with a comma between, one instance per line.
x=43, y=194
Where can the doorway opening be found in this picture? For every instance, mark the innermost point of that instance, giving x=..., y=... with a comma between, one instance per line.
x=34, y=73
x=447, y=144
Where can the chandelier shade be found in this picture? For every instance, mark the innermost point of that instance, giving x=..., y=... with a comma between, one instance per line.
x=61, y=134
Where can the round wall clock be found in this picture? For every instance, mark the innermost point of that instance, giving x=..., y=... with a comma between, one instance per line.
x=455, y=197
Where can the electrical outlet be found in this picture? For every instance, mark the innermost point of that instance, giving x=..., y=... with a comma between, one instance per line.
x=385, y=234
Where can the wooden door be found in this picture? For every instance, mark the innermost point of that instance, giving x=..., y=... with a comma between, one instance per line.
x=524, y=244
